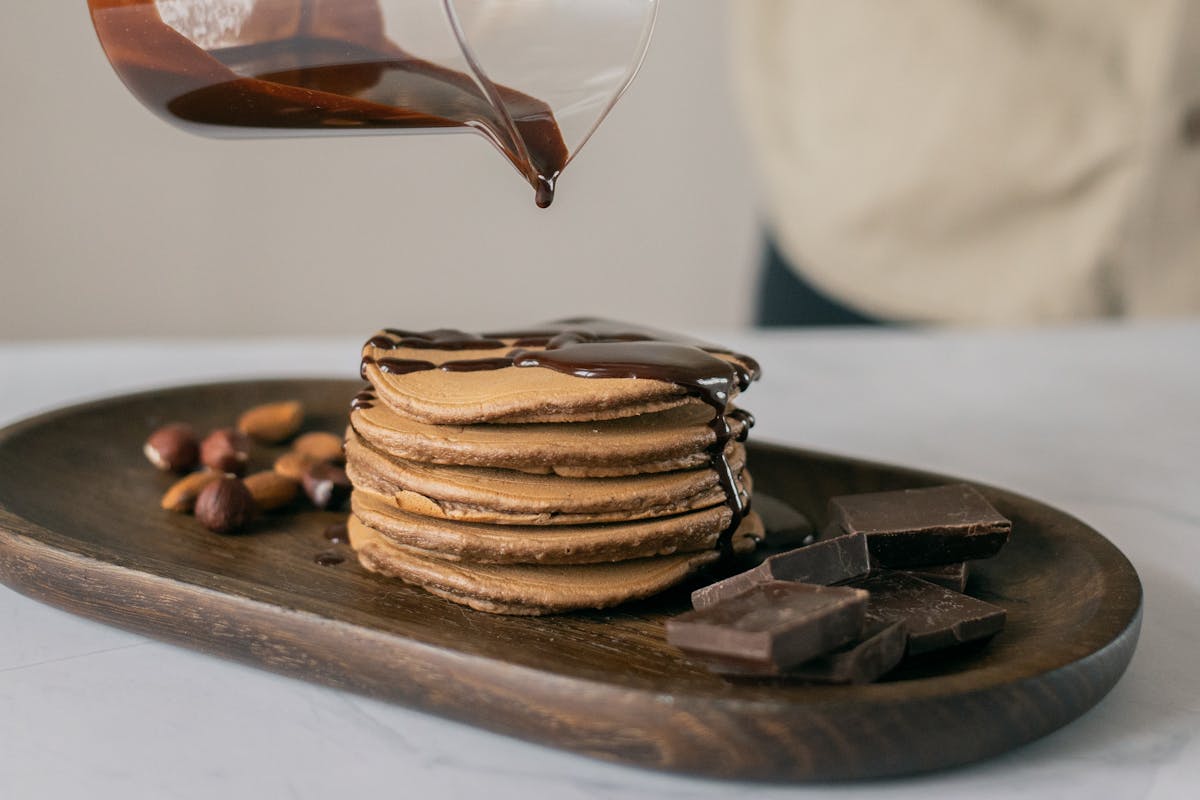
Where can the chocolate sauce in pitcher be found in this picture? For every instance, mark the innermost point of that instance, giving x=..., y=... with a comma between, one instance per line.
x=318, y=65
x=599, y=349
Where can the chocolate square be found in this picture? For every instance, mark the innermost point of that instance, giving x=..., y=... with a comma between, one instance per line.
x=921, y=527
x=827, y=562
x=874, y=654
x=779, y=624
x=936, y=617
x=952, y=576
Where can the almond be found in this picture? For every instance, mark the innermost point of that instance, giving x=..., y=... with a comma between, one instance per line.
x=293, y=465
x=181, y=497
x=272, y=422
x=321, y=446
x=270, y=490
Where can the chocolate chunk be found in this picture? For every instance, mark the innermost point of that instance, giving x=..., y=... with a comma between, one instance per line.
x=936, y=617
x=786, y=527
x=824, y=563
x=827, y=562
x=875, y=653
x=777, y=624
x=919, y=527
x=952, y=576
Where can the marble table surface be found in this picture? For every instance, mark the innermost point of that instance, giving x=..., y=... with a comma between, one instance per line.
x=1100, y=420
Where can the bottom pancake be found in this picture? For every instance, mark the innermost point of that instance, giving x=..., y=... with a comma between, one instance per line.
x=535, y=590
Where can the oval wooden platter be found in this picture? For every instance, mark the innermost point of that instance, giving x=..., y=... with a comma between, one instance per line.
x=80, y=528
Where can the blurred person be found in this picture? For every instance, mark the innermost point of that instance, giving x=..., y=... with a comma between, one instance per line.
x=974, y=161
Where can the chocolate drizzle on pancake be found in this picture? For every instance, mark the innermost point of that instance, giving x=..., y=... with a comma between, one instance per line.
x=363, y=400
x=699, y=373
x=747, y=420
x=440, y=339
x=600, y=349
x=478, y=364
x=403, y=366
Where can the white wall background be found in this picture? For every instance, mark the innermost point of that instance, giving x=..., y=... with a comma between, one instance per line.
x=114, y=223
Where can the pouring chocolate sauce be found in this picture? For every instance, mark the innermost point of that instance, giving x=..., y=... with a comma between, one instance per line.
x=234, y=68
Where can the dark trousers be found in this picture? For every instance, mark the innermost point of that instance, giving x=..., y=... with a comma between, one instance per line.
x=787, y=299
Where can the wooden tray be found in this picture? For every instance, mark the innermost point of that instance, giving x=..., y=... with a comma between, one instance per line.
x=80, y=528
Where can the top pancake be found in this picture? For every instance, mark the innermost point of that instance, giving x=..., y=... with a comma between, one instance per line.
x=516, y=394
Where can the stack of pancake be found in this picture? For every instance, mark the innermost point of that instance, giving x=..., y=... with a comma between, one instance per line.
x=578, y=465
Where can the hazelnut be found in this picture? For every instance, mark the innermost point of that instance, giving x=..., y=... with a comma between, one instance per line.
x=181, y=497
x=321, y=446
x=173, y=448
x=273, y=422
x=225, y=450
x=225, y=505
x=326, y=485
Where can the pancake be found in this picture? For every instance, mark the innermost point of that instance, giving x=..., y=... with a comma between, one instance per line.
x=420, y=505
x=662, y=441
x=579, y=465
x=478, y=494
x=542, y=544
x=532, y=590
x=512, y=393
x=516, y=395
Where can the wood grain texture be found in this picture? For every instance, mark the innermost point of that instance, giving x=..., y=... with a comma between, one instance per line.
x=80, y=528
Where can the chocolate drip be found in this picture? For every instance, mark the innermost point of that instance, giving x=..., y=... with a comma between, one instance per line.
x=543, y=190
x=747, y=373
x=477, y=364
x=720, y=463
x=600, y=349
x=383, y=342
x=590, y=330
x=743, y=416
x=701, y=374
x=329, y=559
x=363, y=400
x=440, y=339
x=338, y=533
x=402, y=366
x=555, y=334
x=747, y=420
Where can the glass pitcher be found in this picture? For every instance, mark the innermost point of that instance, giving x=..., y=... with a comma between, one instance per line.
x=536, y=77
